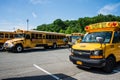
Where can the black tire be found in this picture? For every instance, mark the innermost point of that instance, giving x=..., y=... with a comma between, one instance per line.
x=109, y=65
x=69, y=45
x=18, y=49
x=54, y=46
x=1, y=46
x=46, y=47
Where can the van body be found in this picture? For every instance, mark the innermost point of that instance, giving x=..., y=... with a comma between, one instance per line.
x=74, y=38
x=100, y=46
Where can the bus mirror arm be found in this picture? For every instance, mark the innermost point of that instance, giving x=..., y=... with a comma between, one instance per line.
x=100, y=39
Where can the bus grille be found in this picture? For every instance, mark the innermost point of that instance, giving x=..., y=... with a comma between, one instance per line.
x=82, y=53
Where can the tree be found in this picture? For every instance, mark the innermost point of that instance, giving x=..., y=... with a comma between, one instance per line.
x=69, y=30
x=71, y=26
x=59, y=24
x=62, y=31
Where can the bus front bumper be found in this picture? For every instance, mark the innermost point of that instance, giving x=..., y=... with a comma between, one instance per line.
x=99, y=63
x=9, y=48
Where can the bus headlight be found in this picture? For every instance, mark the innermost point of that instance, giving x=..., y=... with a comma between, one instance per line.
x=8, y=44
x=72, y=51
x=97, y=54
x=11, y=45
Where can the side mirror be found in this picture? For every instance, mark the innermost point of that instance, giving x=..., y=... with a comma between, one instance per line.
x=100, y=39
x=78, y=38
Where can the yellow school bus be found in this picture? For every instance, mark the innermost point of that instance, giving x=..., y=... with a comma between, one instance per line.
x=30, y=39
x=100, y=46
x=74, y=38
x=4, y=36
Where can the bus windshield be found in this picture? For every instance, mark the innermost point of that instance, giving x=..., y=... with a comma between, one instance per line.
x=19, y=35
x=74, y=38
x=91, y=37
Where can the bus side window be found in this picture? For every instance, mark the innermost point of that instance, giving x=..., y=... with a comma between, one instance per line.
x=6, y=36
x=11, y=35
x=36, y=37
x=47, y=37
x=32, y=36
x=44, y=37
x=116, y=38
x=50, y=36
x=40, y=36
x=1, y=35
x=55, y=36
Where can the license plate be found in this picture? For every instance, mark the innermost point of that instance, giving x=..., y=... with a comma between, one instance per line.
x=79, y=62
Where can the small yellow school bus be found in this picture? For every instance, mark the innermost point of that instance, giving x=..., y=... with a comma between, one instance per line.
x=100, y=46
x=74, y=38
x=4, y=36
x=30, y=39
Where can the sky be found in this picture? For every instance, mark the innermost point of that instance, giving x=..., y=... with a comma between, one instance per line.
x=15, y=13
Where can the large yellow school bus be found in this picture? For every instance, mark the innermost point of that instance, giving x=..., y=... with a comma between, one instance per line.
x=30, y=39
x=4, y=36
x=100, y=46
x=73, y=38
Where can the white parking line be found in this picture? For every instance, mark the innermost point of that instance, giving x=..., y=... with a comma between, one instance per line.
x=57, y=78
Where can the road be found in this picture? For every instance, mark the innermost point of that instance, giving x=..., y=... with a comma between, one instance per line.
x=50, y=64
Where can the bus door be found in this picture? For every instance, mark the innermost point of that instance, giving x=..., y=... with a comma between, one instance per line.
x=39, y=39
x=1, y=40
x=44, y=38
x=49, y=40
x=28, y=40
x=1, y=37
x=116, y=42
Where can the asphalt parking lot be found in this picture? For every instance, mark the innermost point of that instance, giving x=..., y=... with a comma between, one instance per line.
x=50, y=64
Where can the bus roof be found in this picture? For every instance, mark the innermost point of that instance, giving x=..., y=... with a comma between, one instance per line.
x=36, y=31
x=103, y=26
x=77, y=34
x=6, y=31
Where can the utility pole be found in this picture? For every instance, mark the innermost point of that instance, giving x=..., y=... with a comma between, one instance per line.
x=27, y=24
x=13, y=28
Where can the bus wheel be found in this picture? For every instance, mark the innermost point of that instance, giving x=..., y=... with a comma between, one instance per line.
x=46, y=47
x=69, y=46
x=109, y=65
x=1, y=47
x=18, y=48
x=54, y=46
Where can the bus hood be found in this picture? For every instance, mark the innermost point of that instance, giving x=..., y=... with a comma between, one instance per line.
x=88, y=46
x=14, y=40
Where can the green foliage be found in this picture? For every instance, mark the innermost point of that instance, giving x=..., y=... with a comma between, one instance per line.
x=71, y=26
